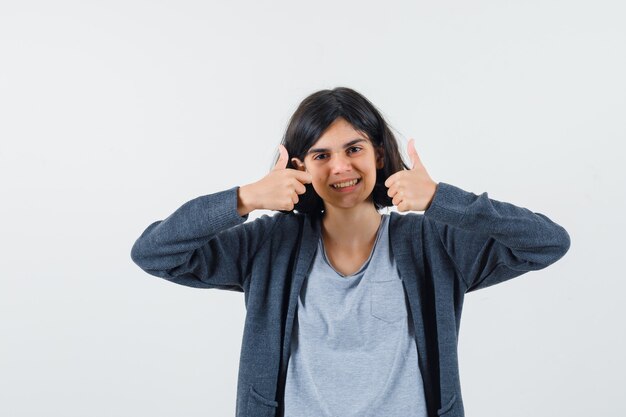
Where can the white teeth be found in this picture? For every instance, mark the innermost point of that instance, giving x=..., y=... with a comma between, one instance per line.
x=345, y=184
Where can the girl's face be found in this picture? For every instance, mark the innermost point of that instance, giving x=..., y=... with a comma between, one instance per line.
x=340, y=155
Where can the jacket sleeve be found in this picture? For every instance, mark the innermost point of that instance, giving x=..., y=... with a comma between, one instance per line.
x=204, y=243
x=491, y=241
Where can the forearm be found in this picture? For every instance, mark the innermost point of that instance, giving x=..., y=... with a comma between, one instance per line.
x=491, y=241
x=168, y=243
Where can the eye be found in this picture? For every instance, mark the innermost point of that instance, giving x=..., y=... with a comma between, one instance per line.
x=358, y=149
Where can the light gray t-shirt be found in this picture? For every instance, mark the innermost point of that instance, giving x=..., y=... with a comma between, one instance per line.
x=353, y=349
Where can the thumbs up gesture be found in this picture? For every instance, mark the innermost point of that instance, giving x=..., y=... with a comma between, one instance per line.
x=278, y=190
x=411, y=189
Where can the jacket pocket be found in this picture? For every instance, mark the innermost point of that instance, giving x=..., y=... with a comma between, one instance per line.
x=387, y=300
x=447, y=407
x=259, y=406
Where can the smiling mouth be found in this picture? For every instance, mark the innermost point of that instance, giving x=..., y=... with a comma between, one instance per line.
x=346, y=184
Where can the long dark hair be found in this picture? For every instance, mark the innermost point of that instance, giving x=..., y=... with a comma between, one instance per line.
x=313, y=116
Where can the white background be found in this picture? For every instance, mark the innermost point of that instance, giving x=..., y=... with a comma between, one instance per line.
x=115, y=113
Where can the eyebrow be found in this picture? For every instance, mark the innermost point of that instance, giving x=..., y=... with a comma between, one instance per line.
x=347, y=145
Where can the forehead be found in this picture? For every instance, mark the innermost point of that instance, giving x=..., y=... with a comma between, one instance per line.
x=338, y=133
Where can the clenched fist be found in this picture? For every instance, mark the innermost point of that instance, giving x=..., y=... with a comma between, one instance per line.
x=278, y=190
x=411, y=189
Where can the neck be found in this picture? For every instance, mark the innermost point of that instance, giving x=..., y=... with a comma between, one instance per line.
x=350, y=228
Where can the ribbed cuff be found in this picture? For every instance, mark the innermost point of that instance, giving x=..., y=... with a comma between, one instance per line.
x=449, y=203
x=222, y=207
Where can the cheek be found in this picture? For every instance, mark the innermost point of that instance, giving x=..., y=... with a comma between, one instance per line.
x=319, y=185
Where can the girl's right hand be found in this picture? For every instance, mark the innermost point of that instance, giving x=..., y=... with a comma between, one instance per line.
x=278, y=190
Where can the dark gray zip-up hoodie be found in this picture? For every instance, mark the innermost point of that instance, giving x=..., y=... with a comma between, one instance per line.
x=462, y=242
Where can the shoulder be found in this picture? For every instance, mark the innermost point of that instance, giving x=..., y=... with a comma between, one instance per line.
x=276, y=221
x=409, y=225
x=398, y=221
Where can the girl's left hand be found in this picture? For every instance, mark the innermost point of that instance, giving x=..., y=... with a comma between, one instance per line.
x=411, y=189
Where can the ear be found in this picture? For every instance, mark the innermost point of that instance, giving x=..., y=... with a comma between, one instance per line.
x=298, y=164
x=380, y=157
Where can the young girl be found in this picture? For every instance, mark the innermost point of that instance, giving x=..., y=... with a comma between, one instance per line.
x=348, y=312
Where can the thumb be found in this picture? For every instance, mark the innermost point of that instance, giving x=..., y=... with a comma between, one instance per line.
x=415, y=159
x=282, y=160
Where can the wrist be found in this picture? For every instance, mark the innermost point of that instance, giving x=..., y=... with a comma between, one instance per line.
x=245, y=203
x=432, y=197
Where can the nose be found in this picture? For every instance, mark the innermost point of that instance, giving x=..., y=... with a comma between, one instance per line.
x=340, y=163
